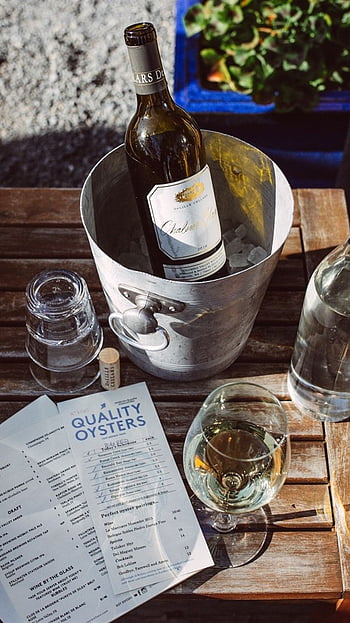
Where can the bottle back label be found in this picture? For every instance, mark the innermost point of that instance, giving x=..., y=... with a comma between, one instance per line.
x=195, y=271
x=186, y=221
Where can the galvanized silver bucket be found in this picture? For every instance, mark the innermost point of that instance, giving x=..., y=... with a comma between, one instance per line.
x=186, y=330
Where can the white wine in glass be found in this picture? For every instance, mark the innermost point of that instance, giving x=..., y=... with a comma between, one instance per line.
x=236, y=457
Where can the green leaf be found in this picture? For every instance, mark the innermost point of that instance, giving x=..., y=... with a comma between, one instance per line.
x=215, y=28
x=210, y=56
x=270, y=44
x=345, y=19
x=318, y=27
x=242, y=55
x=237, y=15
x=263, y=70
x=245, y=82
x=248, y=37
x=194, y=20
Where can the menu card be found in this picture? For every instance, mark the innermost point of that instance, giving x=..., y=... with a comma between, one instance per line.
x=45, y=569
x=52, y=568
x=144, y=520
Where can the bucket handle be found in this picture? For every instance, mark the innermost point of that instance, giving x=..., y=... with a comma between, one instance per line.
x=127, y=335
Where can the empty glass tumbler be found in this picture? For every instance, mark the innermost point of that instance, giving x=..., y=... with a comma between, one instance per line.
x=64, y=336
x=319, y=375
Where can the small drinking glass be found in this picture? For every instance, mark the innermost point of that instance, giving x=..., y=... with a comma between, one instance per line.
x=236, y=457
x=64, y=336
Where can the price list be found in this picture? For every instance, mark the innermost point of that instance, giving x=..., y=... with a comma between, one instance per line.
x=135, y=471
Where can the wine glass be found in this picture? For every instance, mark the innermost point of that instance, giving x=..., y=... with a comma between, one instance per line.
x=236, y=456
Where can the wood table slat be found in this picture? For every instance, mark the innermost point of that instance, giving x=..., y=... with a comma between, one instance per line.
x=339, y=466
x=283, y=570
x=280, y=307
x=308, y=463
x=320, y=207
x=34, y=242
x=293, y=245
x=302, y=507
x=12, y=306
x=39, y=206
x=16, y=274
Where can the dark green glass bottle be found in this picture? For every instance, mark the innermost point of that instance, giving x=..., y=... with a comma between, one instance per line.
x=169, y=173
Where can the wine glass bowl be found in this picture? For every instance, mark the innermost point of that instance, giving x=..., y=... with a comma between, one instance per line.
x=236, y=454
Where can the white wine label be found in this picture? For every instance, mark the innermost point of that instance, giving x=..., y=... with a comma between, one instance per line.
x=185, y=216
x=195, y=271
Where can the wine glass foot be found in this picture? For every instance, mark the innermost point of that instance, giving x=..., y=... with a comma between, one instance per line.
x=233, y=540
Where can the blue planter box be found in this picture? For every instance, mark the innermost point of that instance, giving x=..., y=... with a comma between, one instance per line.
x=190, y=94
x=308, y=146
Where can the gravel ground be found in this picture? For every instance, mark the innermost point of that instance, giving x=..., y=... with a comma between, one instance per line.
x=65, y=83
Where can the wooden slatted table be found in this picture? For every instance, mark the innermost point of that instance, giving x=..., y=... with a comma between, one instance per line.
x=305, y=570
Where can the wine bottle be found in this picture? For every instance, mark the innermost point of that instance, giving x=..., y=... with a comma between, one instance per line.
x=170, y=176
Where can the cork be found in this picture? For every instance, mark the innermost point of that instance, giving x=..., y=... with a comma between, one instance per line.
x=109, y=362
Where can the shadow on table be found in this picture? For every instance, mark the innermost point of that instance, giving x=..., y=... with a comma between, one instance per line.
x=222, y=549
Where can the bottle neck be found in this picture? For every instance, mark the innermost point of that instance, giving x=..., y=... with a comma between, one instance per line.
x=146, y=64
x=160, y=99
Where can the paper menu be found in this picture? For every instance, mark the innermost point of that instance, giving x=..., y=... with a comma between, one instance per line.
x=49, y=473
x=143, y=518
x=46, y=572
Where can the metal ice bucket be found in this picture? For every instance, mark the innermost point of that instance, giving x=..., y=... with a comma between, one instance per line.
x=186, y=330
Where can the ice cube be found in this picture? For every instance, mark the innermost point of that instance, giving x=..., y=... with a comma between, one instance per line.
x=237, y=260
x=247, y=247
x=241, y=231
x=234, y=246
x=256, y=255
x=229, y=235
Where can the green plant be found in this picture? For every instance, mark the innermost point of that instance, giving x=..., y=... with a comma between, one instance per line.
x=281, y=51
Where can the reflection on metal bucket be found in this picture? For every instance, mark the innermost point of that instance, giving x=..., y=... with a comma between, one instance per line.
x=186, y=330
